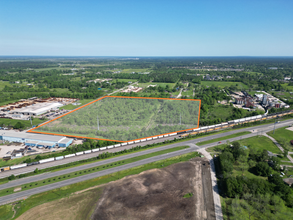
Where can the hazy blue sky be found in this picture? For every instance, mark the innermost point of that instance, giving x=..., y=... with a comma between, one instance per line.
x=147, y=27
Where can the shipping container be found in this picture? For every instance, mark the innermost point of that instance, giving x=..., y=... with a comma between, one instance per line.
x=69, y=155
x=79, y=153
x=18, y=166
x=95, y=150
x=87, y=151
x=59, y=158
x=4, y=169
x=47, y=160
x=103, y=148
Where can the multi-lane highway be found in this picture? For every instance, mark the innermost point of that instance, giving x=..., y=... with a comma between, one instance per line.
x=261, y=128
x=192, y=143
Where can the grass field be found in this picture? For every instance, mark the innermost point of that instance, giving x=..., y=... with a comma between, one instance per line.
x=223, y=84
x=222, y=138
x=285, y=86
x=129, y=118
x=63, y=192
x=59, y=90
x=283, y=136
x=126, y=80
x=257, y=142
x=87, y=171
x=11, y=122
x=134, y=70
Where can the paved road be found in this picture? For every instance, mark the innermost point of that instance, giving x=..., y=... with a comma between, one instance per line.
x=255, y=131
x=259, y=129
x=24, y=194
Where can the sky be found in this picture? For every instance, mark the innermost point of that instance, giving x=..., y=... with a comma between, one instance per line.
x=146, y=28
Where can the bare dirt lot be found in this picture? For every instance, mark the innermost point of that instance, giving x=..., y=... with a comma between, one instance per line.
x=153, y=194
x=158, y=194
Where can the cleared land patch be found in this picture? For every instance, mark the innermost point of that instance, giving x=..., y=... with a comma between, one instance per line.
x=126, y=118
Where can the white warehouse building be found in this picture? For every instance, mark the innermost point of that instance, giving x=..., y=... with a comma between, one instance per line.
x=38, y=140
x=37, y=109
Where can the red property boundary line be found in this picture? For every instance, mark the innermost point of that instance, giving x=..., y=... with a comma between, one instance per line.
x=39, y=132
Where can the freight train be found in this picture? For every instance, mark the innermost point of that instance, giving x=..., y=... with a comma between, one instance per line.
x=181, y=134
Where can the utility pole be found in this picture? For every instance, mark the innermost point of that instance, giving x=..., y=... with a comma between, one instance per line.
x=98, y=122
x=31, y=120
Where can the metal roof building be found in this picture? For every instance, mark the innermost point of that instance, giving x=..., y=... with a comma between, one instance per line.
x=35, y=139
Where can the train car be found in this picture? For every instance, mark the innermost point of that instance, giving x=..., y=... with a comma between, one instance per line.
x=176, y=133
x=137, y=141
x=18, y=166
x=79, y=153
x=117, y=145
x=87, y=151
x=166, y=135
x=148, y=139
x=33, y=163
x=198, y=129
x=142, y=140
x=2, y=169
x=124, y=144
x=109, y=147
x=161, y=136
x=155, y=137
x=194, y=133
x=103, y=148
x=95, y=150
x=184, y=135
x=130, y=142
x=181, y=132
x=69, y=155
x=59, y=158
x=47, y=160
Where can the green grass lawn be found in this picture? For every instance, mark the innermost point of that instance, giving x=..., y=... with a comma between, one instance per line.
x=59, y=90
x=125, y=80
x=11, y=122
x=223, y=138
x=68, y=190
x=71, y=107
x=283, y=136
x=134, y=70
x=285, y=86
x=257, y=142
x=223, y=84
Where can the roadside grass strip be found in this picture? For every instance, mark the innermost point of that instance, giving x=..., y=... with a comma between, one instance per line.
x=66, y=191
x=43, y=182
x=223, y=138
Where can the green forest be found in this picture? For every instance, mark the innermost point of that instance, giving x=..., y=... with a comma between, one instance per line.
x=127, y=118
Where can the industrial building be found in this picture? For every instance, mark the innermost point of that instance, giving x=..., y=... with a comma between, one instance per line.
x=38, y=109
x=38, y=140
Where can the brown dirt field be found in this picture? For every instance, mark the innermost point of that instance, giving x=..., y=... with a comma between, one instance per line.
x=158, y=194
x=74, y=207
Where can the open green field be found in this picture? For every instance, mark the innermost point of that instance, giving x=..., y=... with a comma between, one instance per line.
x=222, y=138
x=223, y=84
x=65, y=192
x=283, y=136
x=87, y=171
x=59, y=90
x=11, y=122
x=257, y=142
x=126, y=119
x=126, y=80
x=71, y=107
x=134, y=70
x=285, y=86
